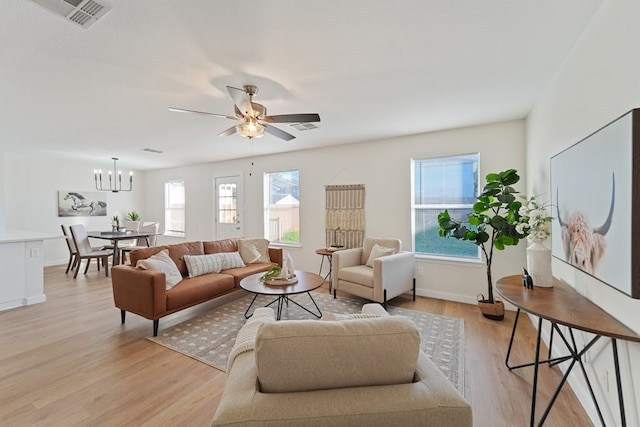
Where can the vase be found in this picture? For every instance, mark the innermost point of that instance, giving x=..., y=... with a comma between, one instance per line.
x=539, y=264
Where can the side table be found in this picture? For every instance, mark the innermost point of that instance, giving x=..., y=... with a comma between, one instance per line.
x=325, y=253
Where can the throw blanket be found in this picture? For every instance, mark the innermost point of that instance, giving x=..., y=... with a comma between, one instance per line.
x=246, y=339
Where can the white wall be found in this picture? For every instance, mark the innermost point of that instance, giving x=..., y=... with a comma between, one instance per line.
x=31, y=198
x=384, y=168
x=3, y=220
x=598, y=82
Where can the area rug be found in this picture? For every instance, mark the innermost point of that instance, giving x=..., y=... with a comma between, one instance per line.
x=210, y=336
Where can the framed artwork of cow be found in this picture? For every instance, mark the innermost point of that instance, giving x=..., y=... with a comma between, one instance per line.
x=595, y=190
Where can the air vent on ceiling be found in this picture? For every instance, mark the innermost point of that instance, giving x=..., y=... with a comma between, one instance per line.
x=81, y=12
x=303, y=126
x=152, y=150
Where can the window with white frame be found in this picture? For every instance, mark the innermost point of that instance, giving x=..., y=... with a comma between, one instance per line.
x=282, y=207
x=443, y=183
x=174, y=208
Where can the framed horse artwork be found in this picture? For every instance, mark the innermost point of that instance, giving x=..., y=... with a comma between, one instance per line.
x=86, y=203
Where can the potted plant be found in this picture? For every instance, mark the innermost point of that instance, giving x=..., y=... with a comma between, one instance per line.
x=133, y=216
x=115, y=223
x=133, y=221
x=492, y=225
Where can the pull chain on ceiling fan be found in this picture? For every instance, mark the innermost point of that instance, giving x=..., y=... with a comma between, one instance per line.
x=252, y=117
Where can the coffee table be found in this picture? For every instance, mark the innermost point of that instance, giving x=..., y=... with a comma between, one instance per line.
x=306, y=283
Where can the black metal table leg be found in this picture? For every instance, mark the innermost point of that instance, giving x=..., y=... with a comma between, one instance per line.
x=535, y=374
x=616, y=364
x=246, y=313
x=319, y=315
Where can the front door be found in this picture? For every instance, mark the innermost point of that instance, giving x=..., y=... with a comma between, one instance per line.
x=228, y=197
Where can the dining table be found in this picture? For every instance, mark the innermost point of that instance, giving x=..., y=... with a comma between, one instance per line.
x=117, y=236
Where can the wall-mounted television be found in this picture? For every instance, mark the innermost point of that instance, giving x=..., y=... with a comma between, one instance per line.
x=595, y=196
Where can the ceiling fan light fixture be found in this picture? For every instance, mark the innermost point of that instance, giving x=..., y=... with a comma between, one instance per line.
x=250, y=128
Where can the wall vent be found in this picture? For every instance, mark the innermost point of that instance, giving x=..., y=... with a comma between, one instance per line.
x=303, y=126
x=84, y=13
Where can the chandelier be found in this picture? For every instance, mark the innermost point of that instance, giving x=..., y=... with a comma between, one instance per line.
x=115, y=184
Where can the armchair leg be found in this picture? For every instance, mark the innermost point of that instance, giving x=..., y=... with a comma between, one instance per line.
x=384, y=302
x=123, y=315
x=414, y=288
x=334, y=293
x=155, y=327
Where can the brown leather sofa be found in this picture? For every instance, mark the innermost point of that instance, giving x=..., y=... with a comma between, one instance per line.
x=144, y=292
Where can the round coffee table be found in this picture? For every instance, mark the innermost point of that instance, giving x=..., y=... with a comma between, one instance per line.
x=306, y=283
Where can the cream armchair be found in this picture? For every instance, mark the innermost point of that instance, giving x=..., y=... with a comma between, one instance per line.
x=385, y=277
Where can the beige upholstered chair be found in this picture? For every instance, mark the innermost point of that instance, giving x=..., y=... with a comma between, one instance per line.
x=278, y=374
x=385, y=277
x=85, y=251
x=150, y=227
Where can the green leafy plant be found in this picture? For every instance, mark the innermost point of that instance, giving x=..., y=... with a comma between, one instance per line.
x=271, y=273
x=493, y=221
x=115, y=221
x=133, y=216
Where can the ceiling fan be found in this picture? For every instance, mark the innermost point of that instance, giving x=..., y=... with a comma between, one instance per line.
x=252, y=117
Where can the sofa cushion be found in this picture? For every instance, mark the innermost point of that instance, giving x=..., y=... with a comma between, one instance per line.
x=230, y=260
x=368, y=242
x=217, y=246
x=162, y=262
x=177, y=252
x=254, y=250
x=199, y=289
x=360, y=274
x=144, y=253
x=197, y=265
x=305, y=355
x=378, y=251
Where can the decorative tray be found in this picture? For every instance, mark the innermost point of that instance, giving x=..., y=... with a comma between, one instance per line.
x=280, y=281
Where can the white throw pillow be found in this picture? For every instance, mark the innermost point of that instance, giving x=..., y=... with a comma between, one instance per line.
x=162, y=262
x=254, y=250
x=197, y=265
x=378, y=251
x=230, y=260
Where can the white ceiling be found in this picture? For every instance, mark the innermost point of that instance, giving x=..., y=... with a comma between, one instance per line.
x=372, y=69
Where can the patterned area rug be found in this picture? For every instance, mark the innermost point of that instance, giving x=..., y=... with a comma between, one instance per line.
x=210, y=337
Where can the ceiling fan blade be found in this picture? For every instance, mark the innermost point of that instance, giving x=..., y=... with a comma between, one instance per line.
x=204, y=113
x=228, y=132
x=242, y=100
x=278, y=132
x=292, y=118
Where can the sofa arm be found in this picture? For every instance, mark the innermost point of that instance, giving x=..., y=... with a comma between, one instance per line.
x=275, y=255
x=394, y=273
x=138, y=291
x=343, y=259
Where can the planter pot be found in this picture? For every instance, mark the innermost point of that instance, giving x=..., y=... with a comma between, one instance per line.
x=539, y=265
x=493, y=311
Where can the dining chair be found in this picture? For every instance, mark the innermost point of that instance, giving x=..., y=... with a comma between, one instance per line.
x=73, y=252
x=85, y=251
x=150, y=227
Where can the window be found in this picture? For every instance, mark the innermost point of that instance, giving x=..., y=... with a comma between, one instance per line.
x=282, y=207
x=174, y=208
x=227, y=203
x=443, y=183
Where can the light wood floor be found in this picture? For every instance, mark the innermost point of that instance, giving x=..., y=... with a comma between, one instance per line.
x=69, y=361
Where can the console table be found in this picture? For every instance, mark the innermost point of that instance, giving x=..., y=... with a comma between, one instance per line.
x=563, y=305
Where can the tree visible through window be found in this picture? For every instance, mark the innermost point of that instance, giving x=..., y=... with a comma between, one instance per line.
x=438, y=184
x=174, y=207
x=282, y=207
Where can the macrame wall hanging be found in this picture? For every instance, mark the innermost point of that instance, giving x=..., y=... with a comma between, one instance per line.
x=344, y=219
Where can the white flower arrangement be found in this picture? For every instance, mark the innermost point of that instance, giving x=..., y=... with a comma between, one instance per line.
x=534, y=222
